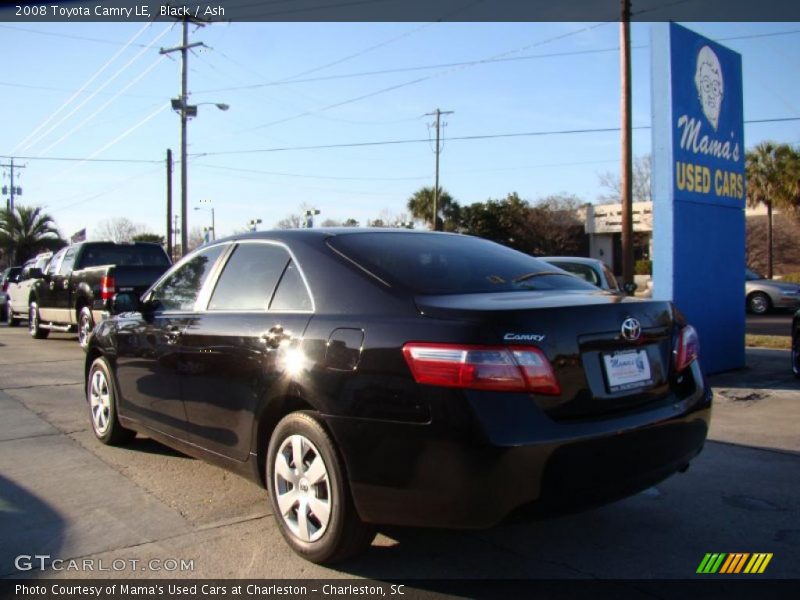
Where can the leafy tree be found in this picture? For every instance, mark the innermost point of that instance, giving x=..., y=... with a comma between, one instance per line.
x=27, y=231
x=146, y=236
x=773, y=179
x=420, y=205
x=351, y=222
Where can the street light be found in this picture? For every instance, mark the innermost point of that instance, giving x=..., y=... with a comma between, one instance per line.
x=308, y=223
x=186, y=111
x=213, y=224
x=254, y=223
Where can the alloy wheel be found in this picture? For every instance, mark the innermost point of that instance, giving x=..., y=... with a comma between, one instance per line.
x=100, y=402
x=302, y=488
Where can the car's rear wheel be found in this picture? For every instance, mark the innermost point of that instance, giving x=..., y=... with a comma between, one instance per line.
x=102, y=397
x=85, y=326
x=309, y=493
x=34, y=326
x=12, y=320
x=796, y=353
x=758, y=303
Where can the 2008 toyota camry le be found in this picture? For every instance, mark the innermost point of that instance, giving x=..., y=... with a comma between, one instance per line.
x=400, y=377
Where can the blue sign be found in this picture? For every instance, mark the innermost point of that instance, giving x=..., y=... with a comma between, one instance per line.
x=698, y=183
x=708, y=136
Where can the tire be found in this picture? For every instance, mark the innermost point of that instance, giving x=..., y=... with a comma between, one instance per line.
x=85, y=326
x=34, y=327
x=12, y=320
x=796, y=353
x=758, y=303
x=312, y=503
x=101, y=395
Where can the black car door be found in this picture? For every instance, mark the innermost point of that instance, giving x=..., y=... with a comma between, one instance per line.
x=45, y=290
x=239, y=349
x=149, y=346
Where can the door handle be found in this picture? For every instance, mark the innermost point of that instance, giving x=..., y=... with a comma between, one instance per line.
x=66, y=284
x=52, y=285
x=273, y=336
x=173, y=333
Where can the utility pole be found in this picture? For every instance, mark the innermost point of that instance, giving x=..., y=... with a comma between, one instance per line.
x=438, y=114
x=175, y=231
x=626, y=174
x=169, y=203
x=12, y=190
x=182, y=105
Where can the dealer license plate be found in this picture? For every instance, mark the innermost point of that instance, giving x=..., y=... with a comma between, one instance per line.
x=627, y=370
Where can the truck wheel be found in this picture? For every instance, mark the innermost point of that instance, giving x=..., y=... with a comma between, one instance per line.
x=34, y=326
x=309, y=492
x=85, y=326
x=12, y=320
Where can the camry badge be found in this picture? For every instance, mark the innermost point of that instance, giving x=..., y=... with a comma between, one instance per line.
x=631, y=329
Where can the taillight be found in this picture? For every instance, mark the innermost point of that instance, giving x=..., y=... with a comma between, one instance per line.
x=687, y=348
x=5, y=286
x=107, y=286
x=498, y=368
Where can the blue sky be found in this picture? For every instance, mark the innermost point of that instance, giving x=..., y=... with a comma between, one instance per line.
x=123, y=113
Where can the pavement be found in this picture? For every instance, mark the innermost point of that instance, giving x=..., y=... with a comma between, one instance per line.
x=65, y=495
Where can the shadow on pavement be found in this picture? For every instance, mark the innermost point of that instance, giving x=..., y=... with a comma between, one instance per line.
x=28, y=526
x=767, y=369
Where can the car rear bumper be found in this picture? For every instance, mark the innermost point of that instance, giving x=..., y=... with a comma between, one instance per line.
x=473, y=473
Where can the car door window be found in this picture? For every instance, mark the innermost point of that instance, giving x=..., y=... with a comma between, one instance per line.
x=52, y=268
x=292, y=294
x=67, y=262
x=178, y=291
x=249, y=277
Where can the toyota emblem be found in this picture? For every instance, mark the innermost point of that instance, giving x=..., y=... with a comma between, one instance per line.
x=631, y=329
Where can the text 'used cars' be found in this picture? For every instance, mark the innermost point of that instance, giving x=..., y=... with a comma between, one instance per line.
x=371, y=377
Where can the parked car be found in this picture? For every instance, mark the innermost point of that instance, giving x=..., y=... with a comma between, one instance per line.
x=9, y=276
x=399, y=377
x=589, y=269
x=764, y=294
x=796, y=344
x=19, y=290
x=81, y=280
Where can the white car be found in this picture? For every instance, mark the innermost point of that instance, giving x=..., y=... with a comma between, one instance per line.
x=19, y=290
x=590, y=270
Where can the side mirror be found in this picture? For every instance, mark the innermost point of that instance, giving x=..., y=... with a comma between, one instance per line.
x=630, y=288
x=34, y=273
x=125, y=302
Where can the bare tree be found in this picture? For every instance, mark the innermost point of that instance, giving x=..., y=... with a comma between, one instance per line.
x=118, y=229
x=642, y=167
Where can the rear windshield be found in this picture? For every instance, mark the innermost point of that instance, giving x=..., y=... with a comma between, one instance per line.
x=124, y=255
x=450, y=264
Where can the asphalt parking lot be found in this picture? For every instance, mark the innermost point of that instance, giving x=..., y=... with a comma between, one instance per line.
x=65, y=495
x=774, y=323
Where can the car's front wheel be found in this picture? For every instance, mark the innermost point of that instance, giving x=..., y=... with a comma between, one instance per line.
x=34, y=326
x=309, y=493
x=758, y=303
x=102, y=397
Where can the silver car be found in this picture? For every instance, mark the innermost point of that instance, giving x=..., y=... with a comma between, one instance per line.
x=589, y=269
x=765, y=294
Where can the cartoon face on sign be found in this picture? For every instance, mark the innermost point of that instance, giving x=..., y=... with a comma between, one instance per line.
x=710, y=87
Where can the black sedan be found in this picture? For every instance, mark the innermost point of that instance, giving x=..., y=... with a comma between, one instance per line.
x=372, y=377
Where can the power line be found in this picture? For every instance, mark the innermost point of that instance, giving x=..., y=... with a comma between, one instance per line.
x=457, y=138
x=78, y=159
x=308, y=176
x=68, y=36
x=96, y=74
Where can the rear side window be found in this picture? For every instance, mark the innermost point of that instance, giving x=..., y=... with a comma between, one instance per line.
x=585, y=272
x=450, y=264
x=291, y=294
x=249, y=278
x=178, y=291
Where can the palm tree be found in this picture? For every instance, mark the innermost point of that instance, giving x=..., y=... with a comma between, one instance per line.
x=773, y=179
x=420, y=205
x=27, y=231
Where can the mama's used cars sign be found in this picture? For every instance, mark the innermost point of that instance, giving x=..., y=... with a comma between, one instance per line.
x=708, y=144
x=699, y=188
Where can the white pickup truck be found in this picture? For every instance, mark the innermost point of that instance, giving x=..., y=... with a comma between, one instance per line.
x=20, y=290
